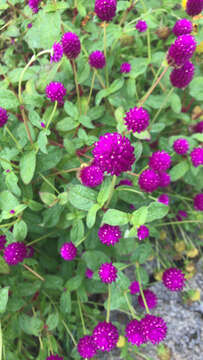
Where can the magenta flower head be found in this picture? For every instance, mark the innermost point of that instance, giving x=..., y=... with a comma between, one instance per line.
x=2, y=241
x=182, y=26
x=173, y=279
x=197, y=156
x=198, y=128
x=141, y=26
x=182, y=50
x=125, y=182
x=165, y=179
x=125, y=68
x=55, y=91
x=109, y=235
x=150, y=298
x=86, y=347
x=3, y=117
x=181, y=77
x=89, y=273
x=97, y=59
x=91, y=176
x=33, y=4
x=54, y=357
x=198, y=202
x=160, y=161
x=181, y=146
x=194, y=7
x=181, y=214
x=105, y=10
x=164, y=199
x=113, y=153
x=105, y=336
x=57, y=52
x=107, y=273
x=142, y=232
x=134, y=287
x=137, y=119
x=15, y=253
x=68, y=251
x=71, y=45
x=29, y=26
x=133, y=333
x=153, y=328
x=149, y=180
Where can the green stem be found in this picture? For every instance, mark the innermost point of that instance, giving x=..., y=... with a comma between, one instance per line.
x=108, y=304
x=52, y=115
x=106, y=67
x=130, y=307
x=49, y=183
x=40, y=238
x=90, y=93
x=100, y=80
x=69, y=332
x=33, y=272
x=148, y=34
x=13, y=138
x=9, y=224
x=1, y=342
x=162, y=106
x=179, y=222
x=111, y=191
x=76, y=83
x=141, y=289
x=81, y=316
x=10, y=163
x=83, y=239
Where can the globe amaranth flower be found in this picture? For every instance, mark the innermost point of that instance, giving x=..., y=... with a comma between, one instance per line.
x=125, y=68
x=71, y=45
x=15, y=253
x=153, y=328
x=134, y=287
x=97, y=59
x=33, y=4
x=2, y=241
x=105, y=336
x=107, y=273
x=125, y=182
x=198, y=128
x=173, y=279
x=164, y=199
x=181, y=146
x=68, y=251
x=137, y=119
x=194, y=7
x=54, y=357
x=149, y=180
x=198, y=202
x=197, y=156
x=105, y=10
x=181, y=214
x=57, y=52
x=181, y=50
x=89, y=273
x=182, y=26
x=109, y=235
x=142, y=232
x=133, y=333
x=113, y=153
x=91, y=176
x=160, y=161
x=165, y=179
x=55, y=91
x=3, y=117
x=86, y=347
x=150, y=298
x=181, y=77
x=141, y=26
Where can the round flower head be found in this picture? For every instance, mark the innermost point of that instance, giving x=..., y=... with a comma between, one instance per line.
x=29, y=25
x=107, y=273
x=2, y=241
x=150, y=298
x=160, y=161
x=33, y=4
x=105, y=336
x=182, y=50
x=54, y=357
x=164, y=199
x=15, y=253
x=68, y=251
x=181, y=146
x=142, y=232
x=86, y=347
x=173, y=279
x=141, y=26
x=137, y=119
x=198, y=202
x=197, y=156
x=57, y=52
x=3, y=117
x=125, y=68
x=89, y=273
x=71, y=45
x=181, y=77
x=97, y=59
x=134, y=287
x=133, y=333
x=198, y=128
x=194, y=7
x=182, y=26
x=29, y=252
x=113, y=153
x=149, y=180
x=109, y=235
x=165, y=179
x=55, y=91
x=91, y=176
x=105, y=10
x=153, y=328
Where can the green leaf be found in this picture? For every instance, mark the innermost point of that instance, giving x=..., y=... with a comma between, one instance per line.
x=115, y=217
x=157, y=210
x=94, y=258
x=3, y=299
x=27, y=166
x=138, y=150
x=142, y=253
x=196, y=88
x=52, y=321
x=175, y=103
x=139, y=216
x=8, y=201
x=74, y=283
x=115, y=86
x=91, y=216
x=42, y=141
x=30, y=325
x=81, y=197
x=65, y=302
x=104, y=191
x=47, y=198
x=179, y=170
x=71, y=110
x=8, y=100
x=67, y=124
x=20, y=230
x=198, y=137
x=4, y=268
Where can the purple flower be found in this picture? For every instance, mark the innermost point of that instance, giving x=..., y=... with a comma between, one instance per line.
x=181, y=214
x=54, y=357
x=3, y=117
x=194, y=7
x=33, y=4
x=71, y=45
x=105, y=10
x=68, y=251
x=182, y=26
x=29, y=252
x=134, y=287
x=105, y=336
x=137, y=119
x=133, y=333
x=55, y=91
x=113, y=153
x=89, y=273
x=198, y=202
x=153, y=328
x=109, y=235
x=198, y=128
x=57, y=52
x=2, y=241
x=15, y=253
x=160, y=161
x=181, y=77
x=91, y=176
x=12, y=211
x=182, y=50
x=197, y=156
x=181, y=146
x=165, y=179
x=141, y=26
x=86, y=347
x=29, y=25
x=164, y=199
x=126, y=182
x=107, y=273
x=125, y=68
x=149, y=180
x=42, y=125
x=142, y=232
x=150, y=298
x=97, y=59
x=173, y=279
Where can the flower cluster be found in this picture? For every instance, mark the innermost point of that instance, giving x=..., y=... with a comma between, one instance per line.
x=198, y=202
x=54, y=357
x=194, y=7
x=141, y=26
x=125, y=68
x=182, y=26
x=71, y=45
x=33, y=4
x=181, y=50
x=142, y=232
x=97, y=59
x=105, y=10
x=55, y=91
x=197, y=156
x=57, y=52
x=68, y=251
x=150, y=297
x=15, y=253
x=3, y=117
x=173, y=279
x=91, y=176
x=137, y=119
x=181, y=146
x=109, y=235
x=107, y=273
